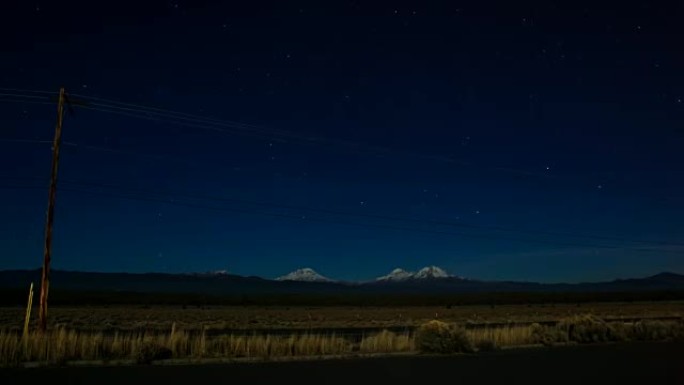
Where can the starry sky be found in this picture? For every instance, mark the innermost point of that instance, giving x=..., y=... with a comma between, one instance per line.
x=508, y=140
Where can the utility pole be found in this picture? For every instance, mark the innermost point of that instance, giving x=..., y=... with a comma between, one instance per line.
x=45, y=277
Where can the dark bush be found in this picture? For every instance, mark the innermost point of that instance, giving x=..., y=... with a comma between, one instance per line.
x=440, y=337
x=657, y=331
x=620, y=331
x=586, y=329
x=548, y=335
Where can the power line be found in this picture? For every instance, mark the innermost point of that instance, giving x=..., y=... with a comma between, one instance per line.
x=28, y=91
x=161, y=110
x=18, y=187
x=191, y=195
x=33, y=141
x=187, y=194
x=138, y=197
x=170, y=116
x=134, y=110
x=171, y=121
x=370, y=216
x=237, y=128
x=23, y=96
x=24, y=101
x=111, y=106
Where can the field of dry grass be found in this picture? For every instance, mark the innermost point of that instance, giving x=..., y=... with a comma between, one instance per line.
x=61, y=345
x=144, y=334
x=161, y=318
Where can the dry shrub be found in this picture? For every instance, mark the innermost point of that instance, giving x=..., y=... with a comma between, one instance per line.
x=547, y=335
x=657, y=331
x=620, y=331
x=441, y=337
x=586, y=329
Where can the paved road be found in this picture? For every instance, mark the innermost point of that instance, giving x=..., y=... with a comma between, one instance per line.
x=609, y=364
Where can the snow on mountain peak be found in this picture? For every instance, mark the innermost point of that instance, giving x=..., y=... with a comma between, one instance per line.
x=304, y=275
x=396, y=275
x=430, y=272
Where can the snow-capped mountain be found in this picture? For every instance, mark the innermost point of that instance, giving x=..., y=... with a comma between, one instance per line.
x=428, y=272
x=304, y=275
x=396, y=275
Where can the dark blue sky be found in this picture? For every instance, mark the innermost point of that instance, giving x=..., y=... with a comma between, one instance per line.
x=509, y=122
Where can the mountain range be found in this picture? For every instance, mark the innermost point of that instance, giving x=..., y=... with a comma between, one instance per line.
x=428, y=272
x=428, y=280
x=306, y=274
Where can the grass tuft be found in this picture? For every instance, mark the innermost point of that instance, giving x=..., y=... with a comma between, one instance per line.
x=387, y=342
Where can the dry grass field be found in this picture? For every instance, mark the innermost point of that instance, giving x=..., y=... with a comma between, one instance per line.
x=162, y=318
x=61, y=345
x=146, y=333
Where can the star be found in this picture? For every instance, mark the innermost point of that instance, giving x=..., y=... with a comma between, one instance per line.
x=548, y=168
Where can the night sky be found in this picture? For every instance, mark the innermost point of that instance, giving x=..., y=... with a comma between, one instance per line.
x=538, y=141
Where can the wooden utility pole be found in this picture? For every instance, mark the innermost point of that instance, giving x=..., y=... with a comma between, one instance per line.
x=45, y=277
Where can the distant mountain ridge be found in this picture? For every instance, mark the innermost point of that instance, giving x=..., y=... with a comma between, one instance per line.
x=428, y=272
x=430, y=280
x=306, y=274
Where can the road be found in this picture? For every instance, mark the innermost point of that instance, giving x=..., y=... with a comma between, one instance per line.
x=637, y=363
